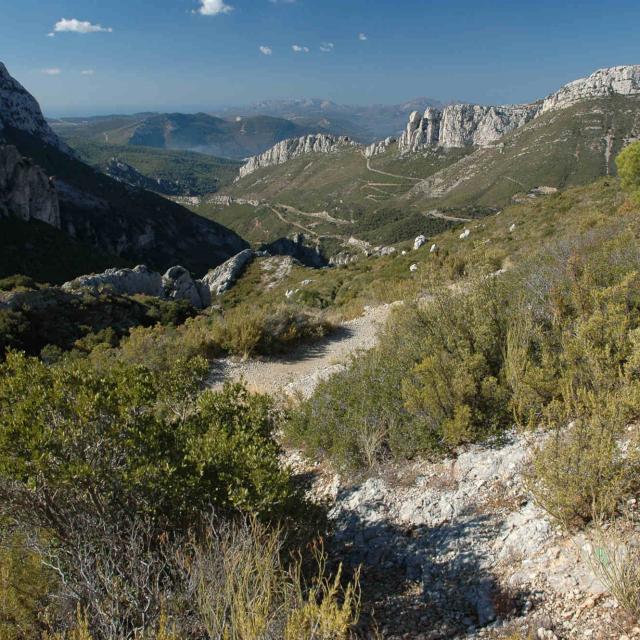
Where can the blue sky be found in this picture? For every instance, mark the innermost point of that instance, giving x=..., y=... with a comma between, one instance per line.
x=182, y=55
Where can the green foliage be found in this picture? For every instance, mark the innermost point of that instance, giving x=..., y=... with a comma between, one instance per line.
x=172, y=451
x=50, y=317
x=435, y=381
x=628, y=164
x=25, y=589
x=189, y=173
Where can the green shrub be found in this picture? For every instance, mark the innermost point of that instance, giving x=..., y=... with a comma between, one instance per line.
x=628, y=165
x=581, y=473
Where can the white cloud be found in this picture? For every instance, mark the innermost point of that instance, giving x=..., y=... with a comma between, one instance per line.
x=326, y=47
x=51, y=34
x=300, y=49
x=282, y=1
x=87, y=72
x=214, y=7
x=54, y=71
x=362, y=36
x=267, y=51
x=79, y=26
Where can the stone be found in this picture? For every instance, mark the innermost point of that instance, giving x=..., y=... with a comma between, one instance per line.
x=462, y=125
x=222, y=278
x=413, y=267
x=434, y=248
x=465, y=234
x=512, y=228
x=25, y=190
x=419, y=242
x=378, y=148
x=294, y=147
x=20, y=110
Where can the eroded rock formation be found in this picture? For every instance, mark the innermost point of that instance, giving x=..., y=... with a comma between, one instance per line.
x=294, y=147
x=462, y=125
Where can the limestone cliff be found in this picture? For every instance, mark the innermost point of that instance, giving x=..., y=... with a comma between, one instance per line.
x=25, y=190
x=294, y=147
x=464, y=125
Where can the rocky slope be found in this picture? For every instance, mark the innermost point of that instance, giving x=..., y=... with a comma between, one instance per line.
x=482, y=126
x=91, y=207
x=20, y=110
x=293, y=148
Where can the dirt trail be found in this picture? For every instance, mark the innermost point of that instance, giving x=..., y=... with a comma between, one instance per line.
x=386, y=173
x=303, y=369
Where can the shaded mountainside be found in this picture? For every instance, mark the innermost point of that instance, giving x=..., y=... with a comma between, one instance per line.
x=235, y=138
x=43, y=180
x=164, y=171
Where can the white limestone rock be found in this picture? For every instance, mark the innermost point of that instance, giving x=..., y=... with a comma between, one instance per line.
x=20, y=110
x=220, y=279
x=379, y=147
x=462, y=125
x=293, y=147
x=413, y=268
x=419, y=242
x=465, y=234
x=139, y=280
x=622, y=80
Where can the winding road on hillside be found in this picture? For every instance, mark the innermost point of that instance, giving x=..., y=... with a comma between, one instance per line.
x=301, y=370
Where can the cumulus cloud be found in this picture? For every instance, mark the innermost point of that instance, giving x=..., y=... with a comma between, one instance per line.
x=362, y=36
x=267, y=51
x=53, y=71
x=326, y=47
x=79, y=26
x=300, y=49
x=51, y=34
x=87, y=72
x=214, y=7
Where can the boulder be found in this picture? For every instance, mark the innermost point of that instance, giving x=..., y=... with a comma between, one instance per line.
x=419, y=242
x=220, y=279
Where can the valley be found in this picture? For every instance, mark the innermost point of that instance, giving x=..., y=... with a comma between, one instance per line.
x=303, y=373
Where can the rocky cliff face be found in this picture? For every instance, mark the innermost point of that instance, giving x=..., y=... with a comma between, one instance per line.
x=20, y=110
x=25, y=190
x=623, y=80
x=294, y=147
x=464, y=125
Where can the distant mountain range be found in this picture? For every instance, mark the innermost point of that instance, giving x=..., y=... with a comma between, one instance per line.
x=235, y=138
x=362, y=123
x=241, y=132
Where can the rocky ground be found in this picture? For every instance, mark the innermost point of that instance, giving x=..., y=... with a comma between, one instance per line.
x=301, y=370
x=449, y=549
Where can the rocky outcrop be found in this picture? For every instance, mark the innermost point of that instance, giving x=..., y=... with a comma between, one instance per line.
x=462, y=125
x=222, y=278
x=294, y=147
x=20, y=110
x=297, y=247
x=25, y=190
x=623, y=80
x=176, y=284
x=379, y=147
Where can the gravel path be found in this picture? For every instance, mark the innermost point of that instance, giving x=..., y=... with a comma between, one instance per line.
x=301, y=370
